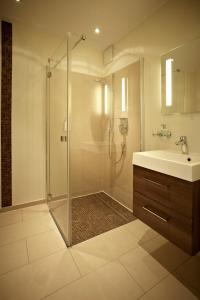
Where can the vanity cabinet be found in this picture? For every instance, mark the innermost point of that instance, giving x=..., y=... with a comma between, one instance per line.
x=169, y=205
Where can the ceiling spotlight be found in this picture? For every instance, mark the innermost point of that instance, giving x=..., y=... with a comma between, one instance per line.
x=97, y=30
x=17, y=1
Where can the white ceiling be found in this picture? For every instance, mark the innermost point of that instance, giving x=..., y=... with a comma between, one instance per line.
x=115, y=17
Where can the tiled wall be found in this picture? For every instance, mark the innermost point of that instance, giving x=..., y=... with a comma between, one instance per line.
x=6, y=96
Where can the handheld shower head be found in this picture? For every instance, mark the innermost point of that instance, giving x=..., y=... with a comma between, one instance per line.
x=83, y=37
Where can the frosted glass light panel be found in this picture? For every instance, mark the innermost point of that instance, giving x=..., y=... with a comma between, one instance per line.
x=180, y=79
x=168, y=80
x=106, y=99
x=124, y=95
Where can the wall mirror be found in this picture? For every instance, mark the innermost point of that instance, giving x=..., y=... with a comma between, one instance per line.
x=180, y=79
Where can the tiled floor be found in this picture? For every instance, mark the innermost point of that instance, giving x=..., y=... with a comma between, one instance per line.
x=129, y=262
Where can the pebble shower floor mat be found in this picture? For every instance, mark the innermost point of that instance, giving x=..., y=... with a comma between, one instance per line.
x=95, y=214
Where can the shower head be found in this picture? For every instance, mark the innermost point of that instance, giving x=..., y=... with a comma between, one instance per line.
x=82, y=38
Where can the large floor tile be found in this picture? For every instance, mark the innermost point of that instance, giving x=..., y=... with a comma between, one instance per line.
x=95, y=252
x=39, y=279
x=97, y=248
x=25, y=229
x=37, y=208
x=12, y=233
x=143, y=268
x=165, y=253
x=169, y=288
x=141, y=231
x=35, y=212
x=87, y=259
x=110, y=282
x=10, y=217
x=190, y=272
x=13, y=256
x=120, y=240
x=44, y=244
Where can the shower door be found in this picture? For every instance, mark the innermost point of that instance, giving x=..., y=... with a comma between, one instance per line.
x=58, y=123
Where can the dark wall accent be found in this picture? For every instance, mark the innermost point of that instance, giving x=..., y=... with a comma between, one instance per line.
x=6, y=101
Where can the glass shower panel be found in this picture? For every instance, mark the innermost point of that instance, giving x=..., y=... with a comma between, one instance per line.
x=87, y=143
x=126, y=130
x=58, y=138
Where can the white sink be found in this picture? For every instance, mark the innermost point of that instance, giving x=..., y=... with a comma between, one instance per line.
x=184, y=166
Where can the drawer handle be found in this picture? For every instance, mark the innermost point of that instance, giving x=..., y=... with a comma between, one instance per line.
x=161, y=186
x=153, y=213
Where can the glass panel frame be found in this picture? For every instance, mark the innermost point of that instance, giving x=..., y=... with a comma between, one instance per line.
x=60, y=208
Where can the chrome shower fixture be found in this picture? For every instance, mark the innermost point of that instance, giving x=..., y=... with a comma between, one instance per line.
x=83, y=37
x=123, y=126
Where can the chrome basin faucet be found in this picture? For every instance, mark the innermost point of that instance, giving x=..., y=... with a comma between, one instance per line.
x=183, y=142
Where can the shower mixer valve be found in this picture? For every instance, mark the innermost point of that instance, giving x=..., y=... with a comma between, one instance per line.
x=123, y=126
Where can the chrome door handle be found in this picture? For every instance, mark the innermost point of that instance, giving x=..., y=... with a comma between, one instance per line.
x=154, y=214
x=159, y=185
x=63, y=138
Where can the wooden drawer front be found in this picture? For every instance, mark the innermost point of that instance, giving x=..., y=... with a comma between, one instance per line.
x=152, y=185
x=181, y=194
x=171, y=192
x=152, y=213
x=166, y=221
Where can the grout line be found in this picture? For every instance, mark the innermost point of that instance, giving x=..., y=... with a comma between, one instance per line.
x=13, y=270
x=13, y=242
x=187, y=282
x=48, y=255
x=167, y=275
x=96, y=268
x=26, y=237
x=94, y=271
x=35, y=260
x=14, y=223
x=19, y=267
x=77, y=266
x=67, y=284
x=181, y=264
x=132, y=277
x=146, y=292
x=83, y=276
x=49, y=228
x=8, y=225
x=60, y=288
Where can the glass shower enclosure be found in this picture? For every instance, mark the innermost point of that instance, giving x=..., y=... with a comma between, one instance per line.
x=93, y=125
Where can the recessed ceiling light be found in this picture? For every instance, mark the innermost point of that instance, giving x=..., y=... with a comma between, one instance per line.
x=17, y=1
x=97, y=30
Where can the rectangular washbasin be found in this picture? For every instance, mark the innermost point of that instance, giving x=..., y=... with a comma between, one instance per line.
x=184, y=166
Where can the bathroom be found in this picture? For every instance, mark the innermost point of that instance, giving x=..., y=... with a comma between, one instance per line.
x=78, y=99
